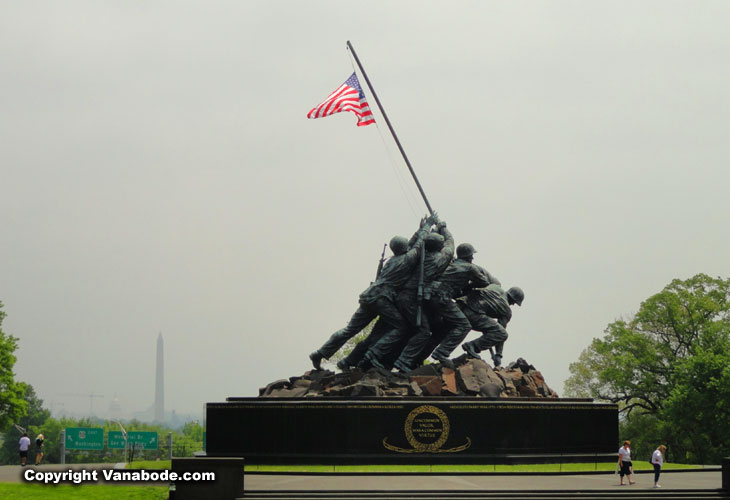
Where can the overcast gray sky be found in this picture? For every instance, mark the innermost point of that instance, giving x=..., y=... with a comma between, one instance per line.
x=158, y=174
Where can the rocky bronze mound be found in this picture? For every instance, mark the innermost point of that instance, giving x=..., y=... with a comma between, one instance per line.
x=469, y=377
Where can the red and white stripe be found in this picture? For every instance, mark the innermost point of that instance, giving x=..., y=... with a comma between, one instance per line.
x=345, y=98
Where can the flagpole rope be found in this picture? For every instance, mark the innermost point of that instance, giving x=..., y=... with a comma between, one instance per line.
x=408, y=195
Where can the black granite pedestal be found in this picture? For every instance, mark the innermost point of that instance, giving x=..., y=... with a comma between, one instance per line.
x=412, y=430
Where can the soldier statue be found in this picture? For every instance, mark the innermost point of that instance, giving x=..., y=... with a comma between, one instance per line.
x=488, y=311
x=439, y=250
x=449, y=324
x=461, y=276
x=379, y=298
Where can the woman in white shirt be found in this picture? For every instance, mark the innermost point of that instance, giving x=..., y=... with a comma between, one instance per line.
x=657, y=460
x=624, y=462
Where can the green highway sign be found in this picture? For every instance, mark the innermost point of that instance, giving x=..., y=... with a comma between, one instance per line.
x=115, y=440
x=142, y=440
x=84, y=438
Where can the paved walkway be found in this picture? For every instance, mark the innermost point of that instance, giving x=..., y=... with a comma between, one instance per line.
x=668, y=480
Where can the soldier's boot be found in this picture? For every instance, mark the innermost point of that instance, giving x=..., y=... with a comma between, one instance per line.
x=497, y=359
x=364, y=365
x=402, y=367
x=373, y=361
x=470, y=350
x=444, y=360
x=316, y=358
x=376, y=363
x=344, y=365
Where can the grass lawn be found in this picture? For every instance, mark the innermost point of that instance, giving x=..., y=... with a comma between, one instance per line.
x=13, y=491
x=344, y=469
x=150, y=464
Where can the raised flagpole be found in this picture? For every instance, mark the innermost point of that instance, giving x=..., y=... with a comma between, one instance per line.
x=402, y=151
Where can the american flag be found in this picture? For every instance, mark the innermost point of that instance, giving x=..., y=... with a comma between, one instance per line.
x=348, y=97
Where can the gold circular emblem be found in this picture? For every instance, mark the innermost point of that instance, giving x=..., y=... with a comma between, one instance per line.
x=427, y=428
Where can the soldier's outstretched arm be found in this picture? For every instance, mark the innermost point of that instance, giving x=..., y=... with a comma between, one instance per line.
x=433, y=219
x=478, y=277
x=448, y=249
x=491, y=279
x=421, y=233
x=415, y=249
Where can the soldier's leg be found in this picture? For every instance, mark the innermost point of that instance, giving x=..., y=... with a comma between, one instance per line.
x=438, y=332
x=410, y=357
x=358, y=353
x=393, y=316
x=391, y=346
x=389, y=360
x=390, y=314
x=458, y=328
x=475, y=320
x=480, y=322
x=384, y=352
x=497, y=356
x=493, y=335
x=362, y=318
x=409, y=308
x=381, y=353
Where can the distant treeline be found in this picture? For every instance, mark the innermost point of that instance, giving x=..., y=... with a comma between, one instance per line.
x=37, y=420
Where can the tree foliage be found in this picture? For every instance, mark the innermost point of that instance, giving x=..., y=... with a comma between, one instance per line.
x=186, y=441
x=12, y=404
x=669, y=365
x=33, y=420
x=699, y=403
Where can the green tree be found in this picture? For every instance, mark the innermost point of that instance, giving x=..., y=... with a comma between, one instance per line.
x=699, y=403
x=193, y=430
x=665, y=367
x=634, y=363
x=33, y=421
x=12, y=404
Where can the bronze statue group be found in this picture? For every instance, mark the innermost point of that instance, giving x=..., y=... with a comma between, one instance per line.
x=426, y=303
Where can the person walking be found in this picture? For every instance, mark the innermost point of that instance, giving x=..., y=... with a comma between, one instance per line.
x=624, y=462
x=39, y=449
x=657, y=460
x=23, y=446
